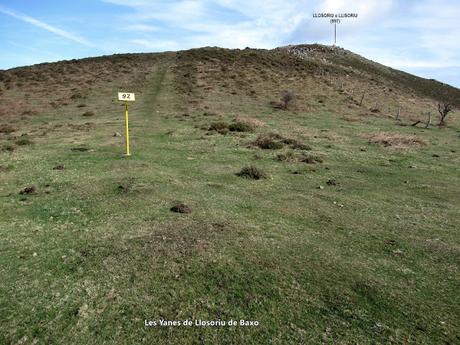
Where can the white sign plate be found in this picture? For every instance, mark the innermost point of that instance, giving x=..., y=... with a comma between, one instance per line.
x=126, y=96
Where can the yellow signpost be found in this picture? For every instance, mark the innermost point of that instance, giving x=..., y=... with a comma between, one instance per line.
x=126, y=97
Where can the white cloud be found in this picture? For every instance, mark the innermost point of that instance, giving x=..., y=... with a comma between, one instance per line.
x=45, y=26
x=414, y=34
x=254, y=23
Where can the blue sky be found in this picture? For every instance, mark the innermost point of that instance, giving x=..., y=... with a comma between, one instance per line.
x=417, y=36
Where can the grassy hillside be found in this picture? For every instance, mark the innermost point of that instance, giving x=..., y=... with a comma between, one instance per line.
x=350, y=236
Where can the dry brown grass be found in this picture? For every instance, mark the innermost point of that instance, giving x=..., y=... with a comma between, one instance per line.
x=250, y=121
x=6, y=128
x=395, y=140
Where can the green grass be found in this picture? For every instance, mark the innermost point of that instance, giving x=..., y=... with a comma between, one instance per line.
x=372, y=260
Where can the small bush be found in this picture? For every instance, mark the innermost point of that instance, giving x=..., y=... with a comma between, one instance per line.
x=294, y=144
x=310, y=159
x=268, y=142
x=300, y=146
x=287, y=99
x=292, y=157
x=287, y=157
x=252, y=172
x=240, y=127
x=220, y=127
x=88, y=113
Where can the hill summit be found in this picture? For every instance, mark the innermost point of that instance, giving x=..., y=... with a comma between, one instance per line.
x=320, y=77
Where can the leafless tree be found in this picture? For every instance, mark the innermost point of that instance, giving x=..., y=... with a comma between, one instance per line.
x=287, y=98
x=428, y=122
x=362, y=98
x=398, y=114
x=444, y=109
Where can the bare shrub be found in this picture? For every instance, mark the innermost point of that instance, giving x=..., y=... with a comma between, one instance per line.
x=270, y=141
x=444, y=109
x=220, y=127
x=288, y=99
x=252, y=172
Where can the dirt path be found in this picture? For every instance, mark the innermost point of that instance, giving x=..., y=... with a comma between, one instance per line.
x=158, y=95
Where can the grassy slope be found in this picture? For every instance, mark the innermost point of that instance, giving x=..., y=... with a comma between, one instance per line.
x=86, y=263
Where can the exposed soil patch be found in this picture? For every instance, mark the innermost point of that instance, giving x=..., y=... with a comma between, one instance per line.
x=395, y=140
x=79, y=149
x=28, y=190
x=180, y=207
x=331, y=182
x=127, y=186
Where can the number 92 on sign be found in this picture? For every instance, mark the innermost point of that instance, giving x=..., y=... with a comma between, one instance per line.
x=126, y=96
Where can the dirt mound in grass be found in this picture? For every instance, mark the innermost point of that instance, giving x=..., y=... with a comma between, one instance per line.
x=395, y=140
x=28, y=190
x=180, y=207
x=252, y=172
